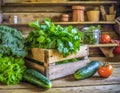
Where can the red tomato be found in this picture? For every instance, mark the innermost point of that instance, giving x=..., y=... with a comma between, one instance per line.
x=105, y=71
x=116, y=50
x=105, y=38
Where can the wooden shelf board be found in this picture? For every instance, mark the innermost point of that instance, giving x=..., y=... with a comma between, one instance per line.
x=12, y=24
x=103, y=45
x=62, y=3
x=86, y=22
x=67, y=23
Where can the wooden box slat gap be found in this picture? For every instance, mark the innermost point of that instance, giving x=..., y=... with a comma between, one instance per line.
x=35, y=66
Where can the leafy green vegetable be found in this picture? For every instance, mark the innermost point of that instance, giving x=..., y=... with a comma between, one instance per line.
x=50, y=36
x=11, y=69
x=11, y=42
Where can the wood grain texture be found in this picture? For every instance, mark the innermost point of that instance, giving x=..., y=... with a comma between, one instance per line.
x=35, y=9
x=58, y=71
x=68, y=84
x=104, y=45
x=53, y=55
x=60, y=3
x=85, y=89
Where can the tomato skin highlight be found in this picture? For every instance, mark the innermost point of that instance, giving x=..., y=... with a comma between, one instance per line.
x=105, y=71
x=105, y=38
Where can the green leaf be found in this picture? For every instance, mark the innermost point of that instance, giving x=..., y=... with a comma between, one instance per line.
x=35, y=24
x=41, y=39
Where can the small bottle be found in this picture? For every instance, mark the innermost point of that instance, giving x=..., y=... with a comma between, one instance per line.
x=15, y=19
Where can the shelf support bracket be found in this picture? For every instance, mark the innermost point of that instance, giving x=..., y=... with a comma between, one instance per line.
x=107, y=51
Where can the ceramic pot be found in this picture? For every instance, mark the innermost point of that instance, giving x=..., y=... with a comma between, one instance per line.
x=93, y=15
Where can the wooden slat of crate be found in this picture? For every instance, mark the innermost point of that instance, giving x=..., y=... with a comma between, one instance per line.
x=57, y=71
x=35, y=66
x=38, y=54
x=52, y=55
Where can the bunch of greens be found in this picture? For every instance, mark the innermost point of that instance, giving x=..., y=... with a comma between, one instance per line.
x=11, y=69
x=51, y=36
x=12, y=52
x=11, y=42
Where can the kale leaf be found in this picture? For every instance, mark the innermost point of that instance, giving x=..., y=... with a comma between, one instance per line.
x=11, y=42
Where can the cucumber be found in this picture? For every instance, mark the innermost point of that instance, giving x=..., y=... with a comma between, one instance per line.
x=36, y=78
x=87, y=71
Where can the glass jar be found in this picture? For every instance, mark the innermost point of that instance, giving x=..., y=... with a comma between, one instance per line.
x=91, y=36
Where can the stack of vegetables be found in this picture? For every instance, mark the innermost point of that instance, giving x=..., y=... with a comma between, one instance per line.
x=50, y=36
x=12, y=53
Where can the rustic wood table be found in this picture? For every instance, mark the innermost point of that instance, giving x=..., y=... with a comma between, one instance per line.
x=68, y=84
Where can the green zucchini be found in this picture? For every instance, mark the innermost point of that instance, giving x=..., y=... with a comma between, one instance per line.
x=87, y=71
x=36, y=78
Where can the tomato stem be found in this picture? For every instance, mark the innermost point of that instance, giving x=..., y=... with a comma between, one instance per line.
x=105, y=63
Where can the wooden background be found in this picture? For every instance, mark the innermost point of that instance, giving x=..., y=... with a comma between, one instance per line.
x=31, y=12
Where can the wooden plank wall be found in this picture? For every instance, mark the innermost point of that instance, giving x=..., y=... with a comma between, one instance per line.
x=31, y=13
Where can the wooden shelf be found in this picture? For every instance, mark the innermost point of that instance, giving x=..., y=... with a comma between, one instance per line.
x=104, y=45
x=12, y=24
x=61, y=3
x=86, y=22
x=68, y=23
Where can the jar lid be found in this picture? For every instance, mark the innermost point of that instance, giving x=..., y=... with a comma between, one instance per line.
x=65, y=15
x=78, y=7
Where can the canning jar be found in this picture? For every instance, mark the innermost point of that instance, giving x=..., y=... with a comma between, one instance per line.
x=91, y=35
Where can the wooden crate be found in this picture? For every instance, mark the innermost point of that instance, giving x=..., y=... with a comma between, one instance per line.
x=45, y=60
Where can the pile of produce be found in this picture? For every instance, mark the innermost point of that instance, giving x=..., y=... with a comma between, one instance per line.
x=91, y=68
x=12, y=52
x=66, y=40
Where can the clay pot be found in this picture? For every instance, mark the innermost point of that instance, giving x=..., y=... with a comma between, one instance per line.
x=64, y=17
x=93, y=15
x=78, y=13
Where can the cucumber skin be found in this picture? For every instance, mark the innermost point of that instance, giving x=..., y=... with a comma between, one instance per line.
x=87, y=71
x=36, y=78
